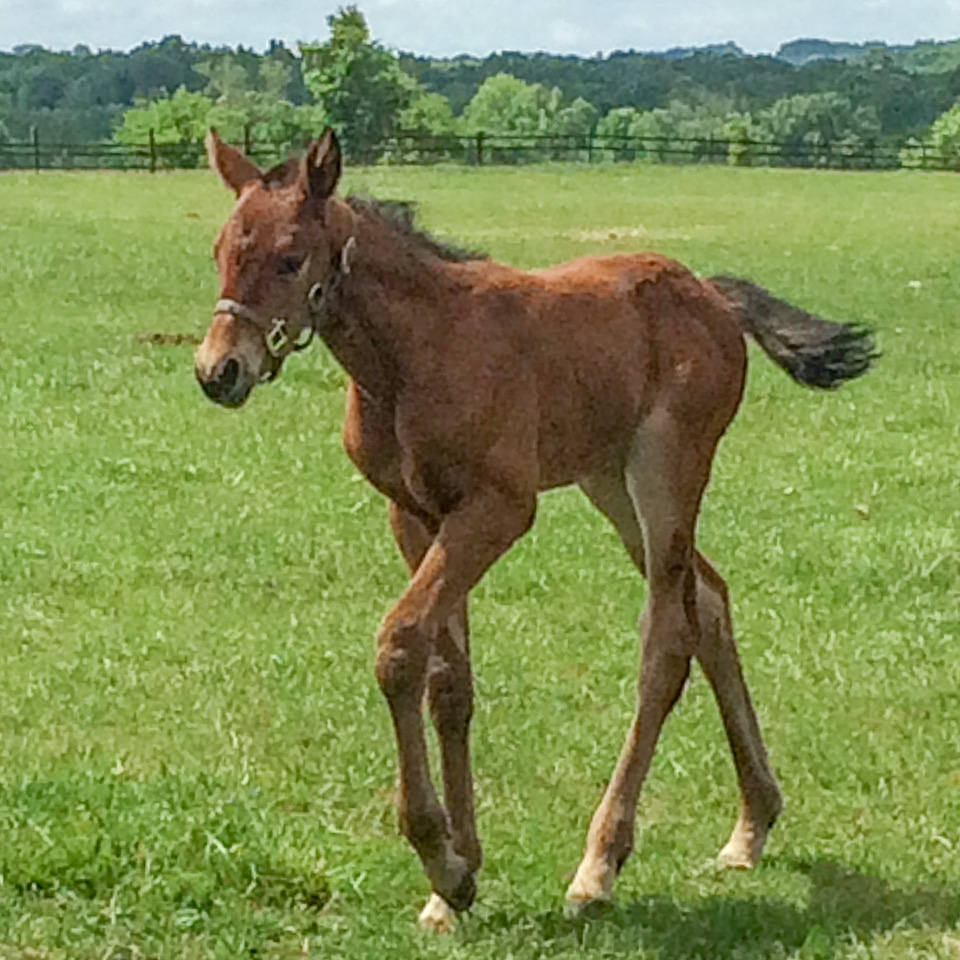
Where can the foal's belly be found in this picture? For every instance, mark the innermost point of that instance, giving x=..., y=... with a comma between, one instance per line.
x=583, y=439
x=589, y=408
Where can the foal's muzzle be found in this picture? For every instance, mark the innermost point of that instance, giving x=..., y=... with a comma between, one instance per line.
x=228, y=384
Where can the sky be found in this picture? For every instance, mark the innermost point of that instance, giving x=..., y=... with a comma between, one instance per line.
x=449, y=27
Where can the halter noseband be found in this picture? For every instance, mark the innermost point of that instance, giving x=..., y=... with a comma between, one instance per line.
x=276, y=338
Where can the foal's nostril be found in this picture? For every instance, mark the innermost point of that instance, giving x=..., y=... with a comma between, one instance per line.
x=210, y=387
x=222, y=384
x=227, y=375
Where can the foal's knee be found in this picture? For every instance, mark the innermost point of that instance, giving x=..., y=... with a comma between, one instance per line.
x=401, y=663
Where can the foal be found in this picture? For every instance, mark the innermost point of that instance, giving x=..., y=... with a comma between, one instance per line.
x=474, y=386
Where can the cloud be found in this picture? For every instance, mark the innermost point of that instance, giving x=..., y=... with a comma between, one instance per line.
x=445, y=27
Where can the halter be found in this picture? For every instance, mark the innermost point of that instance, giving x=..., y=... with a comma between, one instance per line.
x=275, y=337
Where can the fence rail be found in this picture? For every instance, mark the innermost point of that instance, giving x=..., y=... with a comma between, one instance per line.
x=493, y=149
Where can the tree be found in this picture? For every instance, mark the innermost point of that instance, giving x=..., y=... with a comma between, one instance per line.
x=942, y=147
x=178, y=123
x=817, y=128
x=748, y=143
x=426, y=131
x=181, y=118
x=507, y=106
x=261, y=108
x=574, y=120
x=159, y=68
x=428, y=113
x=358, y=82
x=520, y=112
x=227, y=79
x=614, y=132
x=681, y=133
x=617, y=123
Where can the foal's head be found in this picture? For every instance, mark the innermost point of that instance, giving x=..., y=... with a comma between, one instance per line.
x=278, y=256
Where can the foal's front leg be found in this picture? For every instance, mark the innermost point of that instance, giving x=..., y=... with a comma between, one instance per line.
x=450, y=693
x=469, y=541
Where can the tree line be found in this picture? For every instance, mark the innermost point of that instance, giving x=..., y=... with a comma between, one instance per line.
x=762, y=107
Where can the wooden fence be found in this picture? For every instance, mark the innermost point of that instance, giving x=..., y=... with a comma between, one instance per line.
x=496, y=149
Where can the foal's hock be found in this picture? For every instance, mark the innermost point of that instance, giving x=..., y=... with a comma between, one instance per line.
x=473, y=387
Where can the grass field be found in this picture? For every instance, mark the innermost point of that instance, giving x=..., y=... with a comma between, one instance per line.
x=194, y=756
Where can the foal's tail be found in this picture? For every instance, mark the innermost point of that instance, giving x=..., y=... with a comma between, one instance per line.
x=815, y=352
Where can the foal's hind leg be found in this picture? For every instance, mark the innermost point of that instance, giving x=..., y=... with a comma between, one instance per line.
x=450, y=693
x=761, y=801
x=609, y=494
x=665, y=476
x=612, y=829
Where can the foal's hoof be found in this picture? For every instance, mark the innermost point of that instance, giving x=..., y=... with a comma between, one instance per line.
x=736, y=856
x=437, y=916
x=589, y=908
x=592, y=886
x=586, y=899
x=745, y=846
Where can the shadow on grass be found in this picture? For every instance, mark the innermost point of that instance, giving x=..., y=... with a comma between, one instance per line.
x=842, y=905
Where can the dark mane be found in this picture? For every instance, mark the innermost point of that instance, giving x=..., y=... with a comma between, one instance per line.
x=401, y=215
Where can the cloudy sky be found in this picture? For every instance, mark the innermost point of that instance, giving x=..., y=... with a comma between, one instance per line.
x=445, y=27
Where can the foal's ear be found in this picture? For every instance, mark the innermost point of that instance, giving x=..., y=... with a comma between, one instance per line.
x=322, y=166
x=235, y=170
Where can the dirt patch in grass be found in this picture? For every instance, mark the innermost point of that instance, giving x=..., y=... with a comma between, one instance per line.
x=169, y=339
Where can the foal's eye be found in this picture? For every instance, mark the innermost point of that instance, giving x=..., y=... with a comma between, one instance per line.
x=290, y=265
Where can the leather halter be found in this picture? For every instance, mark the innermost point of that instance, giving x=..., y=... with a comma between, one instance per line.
x=276, y=338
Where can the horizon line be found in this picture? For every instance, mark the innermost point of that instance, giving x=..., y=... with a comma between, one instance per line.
x=24, y=48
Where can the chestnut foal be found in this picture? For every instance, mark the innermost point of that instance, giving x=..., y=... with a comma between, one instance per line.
x=474, y=386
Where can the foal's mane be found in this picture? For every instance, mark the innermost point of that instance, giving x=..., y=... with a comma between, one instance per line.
x=400, y=217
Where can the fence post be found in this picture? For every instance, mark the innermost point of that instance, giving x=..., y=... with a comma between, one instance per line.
x=247, y=141
x=590, y=134
x=153, y=152
x=35, y=137
x=480, y=136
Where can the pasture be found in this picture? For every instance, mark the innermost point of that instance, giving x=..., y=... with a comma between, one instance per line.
x=195, y=760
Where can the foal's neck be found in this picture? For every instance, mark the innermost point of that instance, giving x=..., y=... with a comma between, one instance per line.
x=390, y=303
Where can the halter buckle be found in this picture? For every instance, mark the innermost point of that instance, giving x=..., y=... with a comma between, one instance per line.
x=277, y=337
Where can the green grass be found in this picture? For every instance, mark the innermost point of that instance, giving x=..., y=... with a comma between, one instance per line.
x=194, y=757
